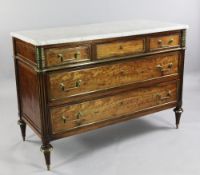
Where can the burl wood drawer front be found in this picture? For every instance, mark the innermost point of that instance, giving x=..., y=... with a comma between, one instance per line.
x=66, y=84
x=63, y=55
x=120, y=48
x=65, y=118
x=164, y=42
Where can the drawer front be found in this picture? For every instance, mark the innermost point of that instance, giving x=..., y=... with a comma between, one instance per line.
x=63, y=55
x=66, y=84
x=120, y=48
x=72, y=116
x=164, y=42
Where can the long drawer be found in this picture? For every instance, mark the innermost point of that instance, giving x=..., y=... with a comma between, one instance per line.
x=78, y=115
x=65, y=84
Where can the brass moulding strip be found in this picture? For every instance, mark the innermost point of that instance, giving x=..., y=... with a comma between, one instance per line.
x=40, y=58
x=183, y=42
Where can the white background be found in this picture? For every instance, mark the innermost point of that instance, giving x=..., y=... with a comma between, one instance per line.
x=148, y=145
x=18, y=15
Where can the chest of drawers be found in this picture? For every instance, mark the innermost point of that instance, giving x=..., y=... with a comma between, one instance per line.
x=75, y=79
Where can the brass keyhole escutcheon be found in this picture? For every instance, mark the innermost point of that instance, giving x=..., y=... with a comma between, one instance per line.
x=120, y=47
x=77, y=55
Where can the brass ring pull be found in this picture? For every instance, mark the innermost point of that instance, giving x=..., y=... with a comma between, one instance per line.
x=162, y=69
x=76, y=85
x=160, y=98
x=75, y=56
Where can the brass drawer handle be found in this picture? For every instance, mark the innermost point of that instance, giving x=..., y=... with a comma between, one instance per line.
x=168, y=96
x=64, y=119
x=76, y=85
x=79, y=114
x=79, y=122
x=171, y=41
x=75, y=56
x=78, y=119
x=162, y=69
x=160, y=43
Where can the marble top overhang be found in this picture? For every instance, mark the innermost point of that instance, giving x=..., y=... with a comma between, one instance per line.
x=94, y=31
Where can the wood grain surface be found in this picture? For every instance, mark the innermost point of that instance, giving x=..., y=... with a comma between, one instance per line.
x=29, y=95
x=120, y=48
x=109, y=76
x=65, y=118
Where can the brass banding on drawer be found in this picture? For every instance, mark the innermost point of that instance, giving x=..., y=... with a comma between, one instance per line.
x=112, y=106
x=65, y=84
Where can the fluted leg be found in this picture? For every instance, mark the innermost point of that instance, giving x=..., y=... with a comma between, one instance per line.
x=46, y=149
x=22, y=125
x=178, y=112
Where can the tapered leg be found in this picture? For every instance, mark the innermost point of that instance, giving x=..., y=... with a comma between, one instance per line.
x=178, y=111
x=22, y=125
x=46, y=149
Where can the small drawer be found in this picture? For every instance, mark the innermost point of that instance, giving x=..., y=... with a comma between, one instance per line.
x=164, y=42
x=64, y=55
x=67, y=84
x=120, y=48
x=126, y=103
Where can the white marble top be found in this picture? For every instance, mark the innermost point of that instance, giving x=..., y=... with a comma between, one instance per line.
x=94, y=31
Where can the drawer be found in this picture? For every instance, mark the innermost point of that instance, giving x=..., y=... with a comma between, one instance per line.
x=120, y=48
x=65, y=84
x=89, y=112
x=164, y=41
x=63, y=55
